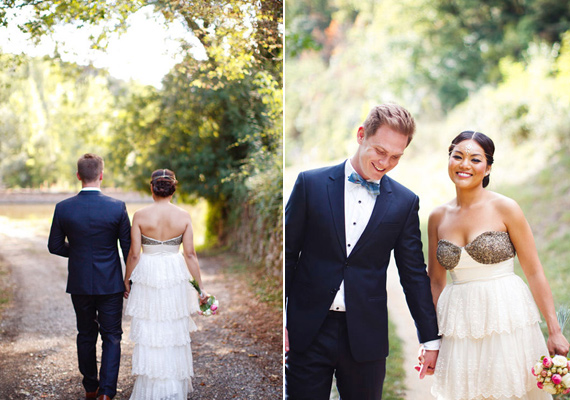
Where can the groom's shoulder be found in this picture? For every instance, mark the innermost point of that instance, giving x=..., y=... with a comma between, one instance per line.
x=111, y=200
x=322, y=172
x=397, y=188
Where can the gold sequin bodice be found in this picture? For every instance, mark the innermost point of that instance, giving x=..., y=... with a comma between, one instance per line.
x=488, y=248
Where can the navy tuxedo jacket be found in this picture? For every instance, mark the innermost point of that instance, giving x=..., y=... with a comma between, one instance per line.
x=316, y=263
x=92, y=224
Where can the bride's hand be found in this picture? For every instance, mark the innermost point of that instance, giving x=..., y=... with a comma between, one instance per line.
x=127, y=288
x=421, y=358
x=204, y=297
x=558, y=344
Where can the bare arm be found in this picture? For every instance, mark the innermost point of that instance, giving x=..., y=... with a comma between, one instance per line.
x=191, y=257
x=134, y=254
x=437, y=274
x=523, y=240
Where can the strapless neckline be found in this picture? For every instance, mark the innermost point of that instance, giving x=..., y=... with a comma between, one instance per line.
x=490, y=247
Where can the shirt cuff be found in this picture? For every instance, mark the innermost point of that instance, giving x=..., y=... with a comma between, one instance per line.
x=432, y=344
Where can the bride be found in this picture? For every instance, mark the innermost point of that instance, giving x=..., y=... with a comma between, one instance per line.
x=161, y=298
x=487, y=317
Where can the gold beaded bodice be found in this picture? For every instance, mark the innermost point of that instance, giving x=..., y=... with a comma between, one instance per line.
x=488, y=248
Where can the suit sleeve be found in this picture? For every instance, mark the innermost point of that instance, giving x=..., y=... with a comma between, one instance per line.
x=56, y=242
x=125, y=233
x=413, y=276
x=295, y=220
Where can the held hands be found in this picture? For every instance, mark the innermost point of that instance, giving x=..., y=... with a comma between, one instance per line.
x=427, y=360
x=127, y=288
x=557, y=344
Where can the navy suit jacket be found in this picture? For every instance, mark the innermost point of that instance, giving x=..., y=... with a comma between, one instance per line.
x=316, y=263
x=92, y=224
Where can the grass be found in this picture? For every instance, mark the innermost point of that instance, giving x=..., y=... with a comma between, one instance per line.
x=394, y=386
x=545, y=201
x=6, y=291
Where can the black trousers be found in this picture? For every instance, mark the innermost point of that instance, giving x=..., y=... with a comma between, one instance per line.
x=308, y=375
x=99, y=314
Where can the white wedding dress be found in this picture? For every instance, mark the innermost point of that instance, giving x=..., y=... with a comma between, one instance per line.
x=489, y=324
x=160, y=302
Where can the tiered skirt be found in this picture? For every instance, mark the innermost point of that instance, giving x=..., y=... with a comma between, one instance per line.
x=491, y=338
x=160, y=302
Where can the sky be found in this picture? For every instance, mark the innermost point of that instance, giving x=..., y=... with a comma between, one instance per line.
x=145, y=52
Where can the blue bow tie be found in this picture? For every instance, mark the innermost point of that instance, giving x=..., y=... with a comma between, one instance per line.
x=373, y=188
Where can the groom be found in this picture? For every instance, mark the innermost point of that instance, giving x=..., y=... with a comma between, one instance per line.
x=341, y=224
x=92, y=223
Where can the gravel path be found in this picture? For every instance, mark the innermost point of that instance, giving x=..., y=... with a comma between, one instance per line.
x=237, y=354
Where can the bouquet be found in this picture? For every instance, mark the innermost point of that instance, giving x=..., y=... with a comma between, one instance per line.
x=211, y=305
x=552, y=373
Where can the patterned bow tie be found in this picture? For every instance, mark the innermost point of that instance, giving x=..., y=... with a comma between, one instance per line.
x=373, y=188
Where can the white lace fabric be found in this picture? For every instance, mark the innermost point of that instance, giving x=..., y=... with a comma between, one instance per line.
x=490, y=335
x=160, y=302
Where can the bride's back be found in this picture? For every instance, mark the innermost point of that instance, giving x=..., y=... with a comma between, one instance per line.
x=162, y=221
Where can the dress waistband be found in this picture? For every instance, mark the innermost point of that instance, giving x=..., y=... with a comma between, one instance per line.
x=472, y=271
x=160, y=249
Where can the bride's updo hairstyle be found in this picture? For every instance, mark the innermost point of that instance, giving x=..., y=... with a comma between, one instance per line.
x=163, y=182
x=483, y=140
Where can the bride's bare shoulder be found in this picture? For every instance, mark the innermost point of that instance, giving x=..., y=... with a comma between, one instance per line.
x=440, y=211
x=505, y=205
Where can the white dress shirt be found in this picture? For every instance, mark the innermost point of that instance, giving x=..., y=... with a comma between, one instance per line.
x=358, y=206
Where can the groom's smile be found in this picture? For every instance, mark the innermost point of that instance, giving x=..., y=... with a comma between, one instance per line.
x=379, y=153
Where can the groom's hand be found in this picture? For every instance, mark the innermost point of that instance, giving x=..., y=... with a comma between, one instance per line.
x=429, y=360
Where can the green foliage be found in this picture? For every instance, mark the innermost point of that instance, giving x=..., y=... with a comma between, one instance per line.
x=52, y=112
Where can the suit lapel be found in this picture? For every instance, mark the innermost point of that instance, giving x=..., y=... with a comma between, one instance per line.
x=383, y=201
x=335, y=190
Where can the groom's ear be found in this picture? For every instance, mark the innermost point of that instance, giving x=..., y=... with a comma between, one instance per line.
x=77, y=174
x=360, y=135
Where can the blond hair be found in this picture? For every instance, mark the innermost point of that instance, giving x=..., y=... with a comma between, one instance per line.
x=393, y=115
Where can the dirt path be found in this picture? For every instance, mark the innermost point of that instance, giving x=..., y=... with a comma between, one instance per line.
x=237, y=354
x=400, y=314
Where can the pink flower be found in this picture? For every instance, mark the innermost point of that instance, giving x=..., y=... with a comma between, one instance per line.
x=214, y=307
x=566, y=391
x=547, y=362
x=543, y=373
x=540, y=385
x=532, y=370
x=556, y=379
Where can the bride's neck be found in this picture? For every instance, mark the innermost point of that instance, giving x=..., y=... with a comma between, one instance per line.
x=161, y=200
x=469, y=197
